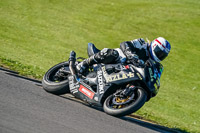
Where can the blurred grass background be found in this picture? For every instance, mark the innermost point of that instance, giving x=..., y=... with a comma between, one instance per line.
x=37, y=34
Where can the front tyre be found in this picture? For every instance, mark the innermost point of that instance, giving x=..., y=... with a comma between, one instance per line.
x=54, y=84
x=118, y=107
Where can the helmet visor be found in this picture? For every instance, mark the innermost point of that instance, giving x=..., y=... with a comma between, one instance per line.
x=161, y=54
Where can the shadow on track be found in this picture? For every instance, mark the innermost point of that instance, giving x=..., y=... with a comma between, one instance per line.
x=130, y=118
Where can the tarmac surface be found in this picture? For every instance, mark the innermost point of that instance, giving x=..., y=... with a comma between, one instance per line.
x=26, y=108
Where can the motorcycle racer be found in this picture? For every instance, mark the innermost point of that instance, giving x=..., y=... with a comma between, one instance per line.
x=136, y=51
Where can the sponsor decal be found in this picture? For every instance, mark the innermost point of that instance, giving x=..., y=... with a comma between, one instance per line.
x=86, y=92
x=157, y=85
x=104, y=70
x=151, y=75
x=120, y=76
x=72, y=85
x=139, y=76
x=156, y=88
x=127, y=66
x=155, y=79
x=100, y=81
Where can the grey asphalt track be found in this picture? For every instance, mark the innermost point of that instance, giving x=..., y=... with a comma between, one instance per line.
x=26, y=108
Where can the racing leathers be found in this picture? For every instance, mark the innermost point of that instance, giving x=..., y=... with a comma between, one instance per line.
x=138, y=51
x=135, y=51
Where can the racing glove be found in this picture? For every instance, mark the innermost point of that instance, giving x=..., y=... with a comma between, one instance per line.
x=134, y=59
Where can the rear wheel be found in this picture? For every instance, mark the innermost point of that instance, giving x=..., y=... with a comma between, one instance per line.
x=121, y=106
x=55, y=79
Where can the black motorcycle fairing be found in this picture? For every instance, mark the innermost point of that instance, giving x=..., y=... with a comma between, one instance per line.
x=82, y=91
x=122, y=74
x=107, y=78
x=90, y=89
x=152, y=78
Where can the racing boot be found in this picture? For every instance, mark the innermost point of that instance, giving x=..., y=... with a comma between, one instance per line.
x=84, y=65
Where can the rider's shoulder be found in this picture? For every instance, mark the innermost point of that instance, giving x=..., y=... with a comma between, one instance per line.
x=139, y=40
x=138, y=43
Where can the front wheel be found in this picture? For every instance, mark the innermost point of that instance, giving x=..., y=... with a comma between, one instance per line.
x=118, y=106
x=55, y=79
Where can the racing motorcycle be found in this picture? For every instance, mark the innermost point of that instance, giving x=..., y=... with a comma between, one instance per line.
x=120, y=89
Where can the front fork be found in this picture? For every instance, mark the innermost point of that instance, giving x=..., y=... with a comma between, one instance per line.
x=128, y=90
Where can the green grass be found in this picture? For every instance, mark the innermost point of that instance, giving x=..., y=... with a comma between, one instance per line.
x=37, y=34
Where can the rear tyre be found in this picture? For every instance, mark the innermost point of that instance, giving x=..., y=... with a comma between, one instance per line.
x=54, y=86
x=127, y=108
